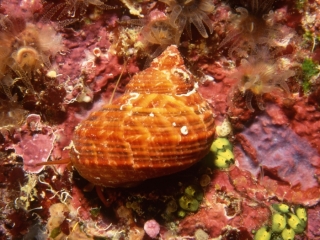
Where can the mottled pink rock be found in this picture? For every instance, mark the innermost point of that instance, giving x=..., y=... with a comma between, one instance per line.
x=306, y=122
x=21, y=9
x=313, y=229
x=211, y=218
x=216, y=92
x=229, y=202
x=36, y=143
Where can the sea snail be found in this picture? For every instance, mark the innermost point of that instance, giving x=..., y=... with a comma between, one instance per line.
x=159, y=126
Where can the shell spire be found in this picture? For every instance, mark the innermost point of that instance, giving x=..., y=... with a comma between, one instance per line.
x=166, y=75
x=159, y=126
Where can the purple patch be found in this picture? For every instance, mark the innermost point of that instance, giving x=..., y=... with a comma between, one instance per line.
x=280, y=152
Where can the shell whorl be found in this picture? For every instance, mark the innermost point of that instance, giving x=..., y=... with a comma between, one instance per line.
x=160, y=125
x=166, y=75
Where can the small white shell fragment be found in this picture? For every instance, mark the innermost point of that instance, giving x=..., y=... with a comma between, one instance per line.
x=96, y=52
x=52, y=74
x=86, y=99
x=184, y=130
x=224, y=129
x=206, y=78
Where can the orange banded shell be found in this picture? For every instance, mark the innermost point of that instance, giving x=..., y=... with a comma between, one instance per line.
x=159, y=126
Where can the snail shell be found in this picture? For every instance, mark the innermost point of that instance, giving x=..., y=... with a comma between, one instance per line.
x=159, y=126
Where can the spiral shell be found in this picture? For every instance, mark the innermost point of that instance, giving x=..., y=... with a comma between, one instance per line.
x=159, y=126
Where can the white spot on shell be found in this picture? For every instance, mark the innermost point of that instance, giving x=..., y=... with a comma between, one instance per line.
x=133, y=97
x=184, y=130
x=151, y=114
x=172, y=54
x=184, y=73
x=194, y=90
x=174, y=124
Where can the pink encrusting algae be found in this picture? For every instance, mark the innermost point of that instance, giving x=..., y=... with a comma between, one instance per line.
x=254, y=63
